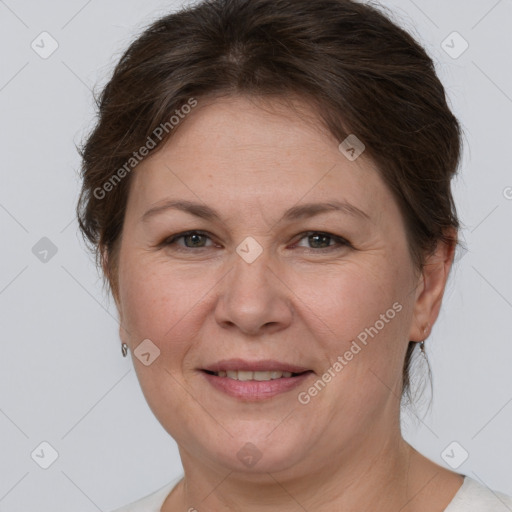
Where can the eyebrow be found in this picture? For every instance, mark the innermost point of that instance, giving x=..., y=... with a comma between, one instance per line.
x=296, y=212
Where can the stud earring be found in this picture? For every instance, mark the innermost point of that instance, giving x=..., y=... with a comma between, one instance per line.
x=422, y=343
x=124, y=349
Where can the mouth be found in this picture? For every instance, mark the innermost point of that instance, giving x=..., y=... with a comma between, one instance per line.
x=259, y=376
x=254, y=381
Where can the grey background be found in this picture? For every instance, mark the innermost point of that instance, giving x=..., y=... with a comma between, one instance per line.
x=62, y=377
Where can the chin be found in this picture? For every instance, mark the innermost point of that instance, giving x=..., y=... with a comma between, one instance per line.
x=258, y=455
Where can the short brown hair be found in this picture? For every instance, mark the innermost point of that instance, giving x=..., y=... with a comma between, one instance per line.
x=365, y=75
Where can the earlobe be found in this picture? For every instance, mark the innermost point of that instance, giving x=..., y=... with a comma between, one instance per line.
x=432, y=286
x=122, y=333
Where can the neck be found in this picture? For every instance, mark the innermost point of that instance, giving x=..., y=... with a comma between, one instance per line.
x=375, y=474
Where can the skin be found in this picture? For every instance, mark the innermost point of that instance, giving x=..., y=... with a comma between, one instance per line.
x=251, y=161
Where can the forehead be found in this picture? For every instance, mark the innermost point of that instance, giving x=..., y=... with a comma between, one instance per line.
x=244, y=152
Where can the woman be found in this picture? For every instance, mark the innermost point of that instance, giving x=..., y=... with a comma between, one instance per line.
x=267, y=190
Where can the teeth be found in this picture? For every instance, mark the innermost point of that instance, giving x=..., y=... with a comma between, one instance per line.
x=245, y=375
x=260, y=376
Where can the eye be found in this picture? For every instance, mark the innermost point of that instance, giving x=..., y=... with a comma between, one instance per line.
x=193, y=236
x=321, y=241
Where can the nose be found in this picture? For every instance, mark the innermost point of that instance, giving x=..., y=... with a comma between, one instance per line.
x=253, y=298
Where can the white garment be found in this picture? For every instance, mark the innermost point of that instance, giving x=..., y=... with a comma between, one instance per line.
x=471, y=497
x=152, y=502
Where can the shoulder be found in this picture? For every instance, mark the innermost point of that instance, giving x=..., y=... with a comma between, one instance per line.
x=152, y=502
x=476, y=497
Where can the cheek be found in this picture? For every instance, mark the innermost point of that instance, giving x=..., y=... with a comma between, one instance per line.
x=156, y=299
x=358, y=314
x=160, y=306
x=347, y=298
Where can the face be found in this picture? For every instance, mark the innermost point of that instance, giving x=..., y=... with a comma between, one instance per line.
x=326, y=293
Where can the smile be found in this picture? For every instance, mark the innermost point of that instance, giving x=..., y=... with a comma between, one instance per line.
x=258, y=376
x=253, y=386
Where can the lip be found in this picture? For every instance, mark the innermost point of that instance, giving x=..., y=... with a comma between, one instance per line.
x=253, y=390
x=254, y=366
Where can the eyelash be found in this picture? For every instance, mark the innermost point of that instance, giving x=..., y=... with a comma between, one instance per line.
x=341, y=241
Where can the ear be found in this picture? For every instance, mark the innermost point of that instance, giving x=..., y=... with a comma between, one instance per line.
x=430, y=289
x=104, y=265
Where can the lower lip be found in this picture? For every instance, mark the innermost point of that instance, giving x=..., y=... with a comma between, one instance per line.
x=254, y=390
